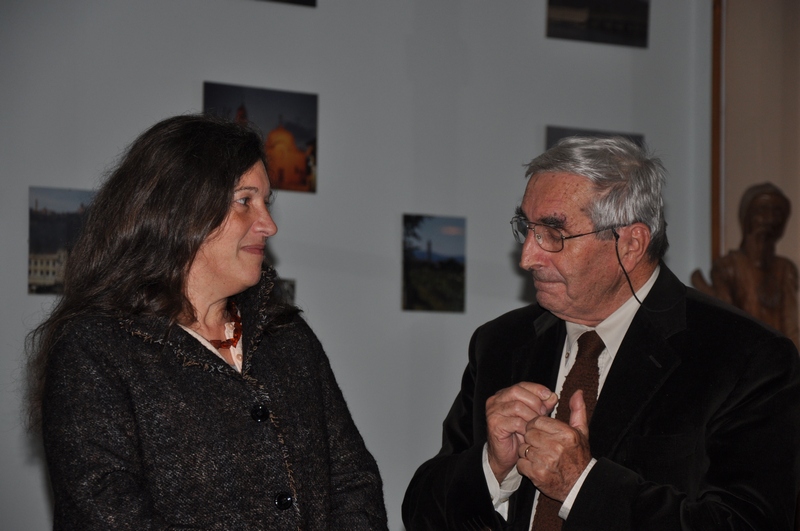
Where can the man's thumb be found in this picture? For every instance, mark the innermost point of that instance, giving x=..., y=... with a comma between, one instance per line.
x=577, y=413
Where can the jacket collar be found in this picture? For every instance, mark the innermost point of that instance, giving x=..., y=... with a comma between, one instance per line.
x=253, y=305
x=546, y=343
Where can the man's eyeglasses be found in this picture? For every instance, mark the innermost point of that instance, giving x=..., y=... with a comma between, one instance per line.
x=549, y=238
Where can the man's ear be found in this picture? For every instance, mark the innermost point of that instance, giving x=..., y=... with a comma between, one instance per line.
x=634, y=240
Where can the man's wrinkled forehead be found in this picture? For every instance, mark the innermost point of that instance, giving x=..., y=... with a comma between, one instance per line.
x=556, y=199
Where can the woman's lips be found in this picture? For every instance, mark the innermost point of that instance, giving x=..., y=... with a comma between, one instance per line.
x=254, y=249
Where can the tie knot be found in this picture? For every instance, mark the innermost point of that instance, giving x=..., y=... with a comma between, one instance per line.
x=590, y=345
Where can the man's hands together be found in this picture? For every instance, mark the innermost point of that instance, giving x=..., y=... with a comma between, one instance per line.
x=551, y=453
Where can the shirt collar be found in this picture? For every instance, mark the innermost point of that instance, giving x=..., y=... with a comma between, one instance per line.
x=613, y=328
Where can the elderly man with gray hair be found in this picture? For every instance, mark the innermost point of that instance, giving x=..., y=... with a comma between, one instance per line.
x=621, y=399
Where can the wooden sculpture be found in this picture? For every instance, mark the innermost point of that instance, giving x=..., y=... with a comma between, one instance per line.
x=753, y=277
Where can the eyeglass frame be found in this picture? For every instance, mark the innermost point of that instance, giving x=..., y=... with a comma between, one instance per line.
x=530, y=225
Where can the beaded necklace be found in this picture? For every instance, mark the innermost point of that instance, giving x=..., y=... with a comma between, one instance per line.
x=237, y=329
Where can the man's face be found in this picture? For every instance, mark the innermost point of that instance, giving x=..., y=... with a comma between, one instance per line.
x=584, y=282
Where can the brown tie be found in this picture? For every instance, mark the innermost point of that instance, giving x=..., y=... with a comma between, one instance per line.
x=583, y=375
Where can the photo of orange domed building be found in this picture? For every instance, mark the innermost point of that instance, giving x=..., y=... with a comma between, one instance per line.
x=288, y=122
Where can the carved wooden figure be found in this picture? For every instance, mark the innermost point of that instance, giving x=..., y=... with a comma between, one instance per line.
x=753, y=277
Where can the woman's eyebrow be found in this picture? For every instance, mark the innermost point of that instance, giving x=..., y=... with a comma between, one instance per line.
x=253, y=189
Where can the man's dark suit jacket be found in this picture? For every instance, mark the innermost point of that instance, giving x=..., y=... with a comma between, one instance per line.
x=697, y=426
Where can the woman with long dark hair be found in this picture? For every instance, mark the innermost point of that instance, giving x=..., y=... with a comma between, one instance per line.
x=173, y=386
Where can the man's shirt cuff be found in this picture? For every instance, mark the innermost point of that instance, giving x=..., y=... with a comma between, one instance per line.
x=500, y=492
x=567, y=505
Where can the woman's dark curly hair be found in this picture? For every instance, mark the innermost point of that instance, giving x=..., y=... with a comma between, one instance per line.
x=173, y=187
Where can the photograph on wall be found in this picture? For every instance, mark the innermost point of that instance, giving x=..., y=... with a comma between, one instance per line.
x=310, y=3
x=288, y=121
x=434, y=276
x=55, y=219
x=622, y=22
x=556, y=133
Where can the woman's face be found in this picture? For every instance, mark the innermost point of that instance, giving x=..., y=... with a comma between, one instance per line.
x=229, y=260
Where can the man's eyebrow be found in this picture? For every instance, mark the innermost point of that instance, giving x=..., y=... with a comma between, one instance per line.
x=557, y=222
x=553, y=221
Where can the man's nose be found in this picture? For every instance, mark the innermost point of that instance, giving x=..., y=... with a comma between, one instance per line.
x=532, y=254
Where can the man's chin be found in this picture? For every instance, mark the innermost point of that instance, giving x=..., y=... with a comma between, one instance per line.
x=544, y=298
x=546, y=287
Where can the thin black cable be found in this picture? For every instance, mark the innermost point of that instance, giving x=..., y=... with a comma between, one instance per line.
x=616, y=248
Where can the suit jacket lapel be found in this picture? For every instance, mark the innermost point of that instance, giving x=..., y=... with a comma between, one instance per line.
x=547, y=345
x=644, y=361
x=642, y=364
x=535, y=360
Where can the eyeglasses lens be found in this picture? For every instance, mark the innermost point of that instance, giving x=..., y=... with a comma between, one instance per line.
x=520, y=229
x=549, y=238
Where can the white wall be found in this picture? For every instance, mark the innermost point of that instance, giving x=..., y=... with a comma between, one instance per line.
x=762, y=110
x=426, y=107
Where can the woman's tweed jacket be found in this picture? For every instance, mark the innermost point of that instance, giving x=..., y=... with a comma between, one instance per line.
x=145, y=428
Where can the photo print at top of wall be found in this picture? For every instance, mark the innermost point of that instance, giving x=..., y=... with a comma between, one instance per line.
x=56, y=216
x=556, y=133
x=622, y=22
x=288, y=121
x=434, y=263
x=310, y=3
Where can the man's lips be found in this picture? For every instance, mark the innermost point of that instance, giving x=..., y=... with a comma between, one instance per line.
x=543, y=280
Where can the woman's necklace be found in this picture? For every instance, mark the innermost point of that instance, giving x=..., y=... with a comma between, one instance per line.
x=237, y=329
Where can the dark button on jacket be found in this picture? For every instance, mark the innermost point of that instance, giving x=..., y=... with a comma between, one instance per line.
x=283, y=500
x=259, y=413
